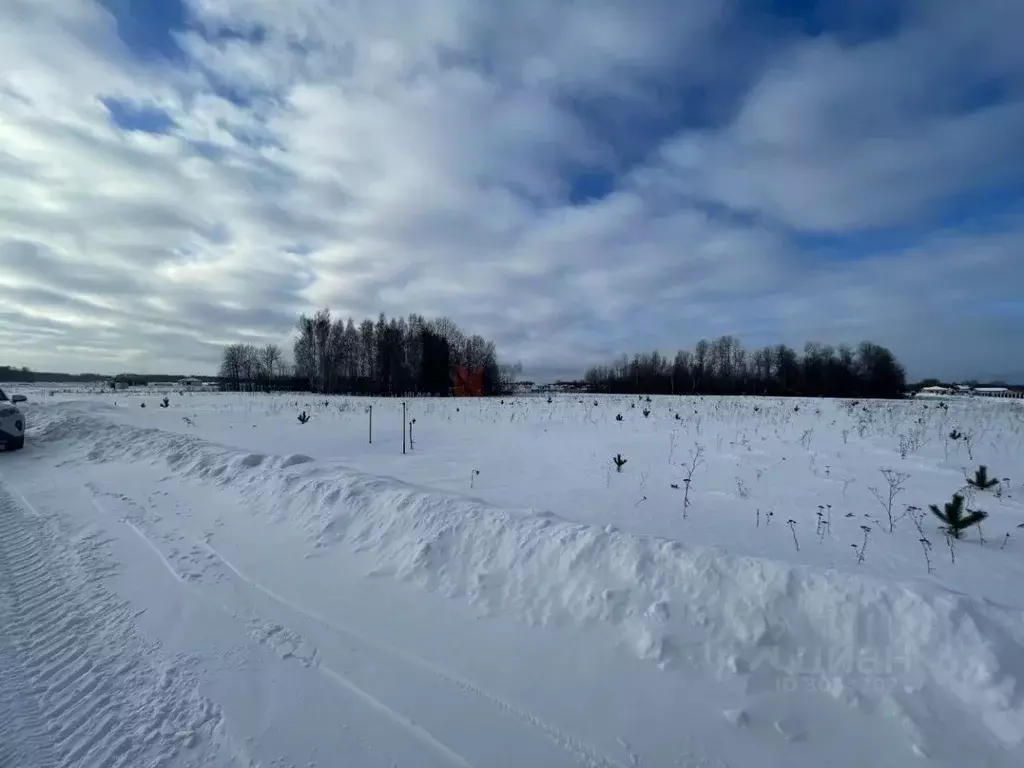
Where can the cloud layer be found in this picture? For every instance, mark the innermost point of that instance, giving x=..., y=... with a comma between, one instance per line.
x=574, y=180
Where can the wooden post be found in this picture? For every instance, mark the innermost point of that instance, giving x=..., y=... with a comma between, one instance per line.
x=403, y=428
x=371, y=425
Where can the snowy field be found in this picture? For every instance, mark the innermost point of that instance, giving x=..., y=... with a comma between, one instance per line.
x=215, y=583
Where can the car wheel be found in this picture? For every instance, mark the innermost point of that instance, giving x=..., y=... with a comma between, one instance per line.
x=15, y=445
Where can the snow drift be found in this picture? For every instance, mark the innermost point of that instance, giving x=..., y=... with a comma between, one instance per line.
x=770, y=623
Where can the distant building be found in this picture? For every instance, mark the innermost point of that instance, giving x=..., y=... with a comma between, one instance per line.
x=934, y=391
x=126, y=380
x=965, y=390
x=997, y=392
x=189, y=382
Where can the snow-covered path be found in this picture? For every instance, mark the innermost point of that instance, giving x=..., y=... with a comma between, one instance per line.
x=78, y=685
x=163, y=610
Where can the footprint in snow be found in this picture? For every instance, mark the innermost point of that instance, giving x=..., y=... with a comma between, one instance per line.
x=789, y=730
x=283, y=641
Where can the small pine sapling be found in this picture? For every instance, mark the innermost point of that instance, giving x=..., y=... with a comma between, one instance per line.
x=646, y=412
x=412, y=444
x=303, y=417
x=618, y=417
x=619, y=462
x=165, y=403
x=981, y=481
x=955, y=517
x=472, y=478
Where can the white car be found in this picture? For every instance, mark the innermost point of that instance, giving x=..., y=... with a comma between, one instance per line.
x=12, y=422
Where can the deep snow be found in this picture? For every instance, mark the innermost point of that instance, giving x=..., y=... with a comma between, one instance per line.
x=288, y=594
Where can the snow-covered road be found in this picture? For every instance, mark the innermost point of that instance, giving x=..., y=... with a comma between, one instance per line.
x=168, y=611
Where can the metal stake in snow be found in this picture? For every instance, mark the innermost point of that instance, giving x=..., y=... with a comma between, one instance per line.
x=369, y=410
x=404, y=422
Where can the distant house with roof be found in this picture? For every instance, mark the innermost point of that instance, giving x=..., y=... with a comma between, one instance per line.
x=997, y=392
x=126, y=380
x=934, y=391
x=965, y=390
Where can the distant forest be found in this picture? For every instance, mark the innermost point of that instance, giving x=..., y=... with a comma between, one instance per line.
x=397, y=356
x=414, y=356
x=25, y=376
x=724, y=367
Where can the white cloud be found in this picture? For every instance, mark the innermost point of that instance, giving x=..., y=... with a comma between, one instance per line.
x=374, y=156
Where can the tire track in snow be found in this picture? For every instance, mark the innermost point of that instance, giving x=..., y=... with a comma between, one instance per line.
x=79, y=687
x=582, y=753
x=337, y=678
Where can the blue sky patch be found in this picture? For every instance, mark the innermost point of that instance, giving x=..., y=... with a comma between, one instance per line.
x=138, y=117
x=147, y=27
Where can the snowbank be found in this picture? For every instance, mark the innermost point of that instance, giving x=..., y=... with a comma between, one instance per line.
x=769, y=622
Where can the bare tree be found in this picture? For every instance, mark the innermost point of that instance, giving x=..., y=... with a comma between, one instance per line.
x=271, y=363
x=230, y=372
x=304, y=351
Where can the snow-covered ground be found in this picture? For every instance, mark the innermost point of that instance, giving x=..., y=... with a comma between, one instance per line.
x=214, y=583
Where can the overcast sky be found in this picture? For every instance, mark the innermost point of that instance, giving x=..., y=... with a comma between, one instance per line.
x=571, y=179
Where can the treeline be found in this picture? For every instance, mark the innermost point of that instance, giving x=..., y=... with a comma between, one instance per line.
x=395, y=356
x=26, y=376
x=724, y=367
x=252, y=368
